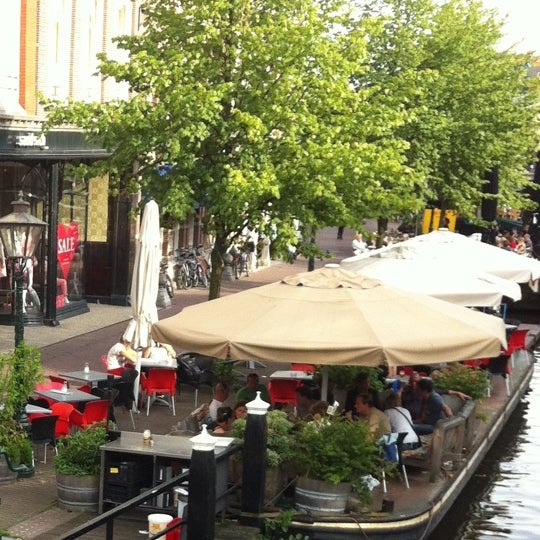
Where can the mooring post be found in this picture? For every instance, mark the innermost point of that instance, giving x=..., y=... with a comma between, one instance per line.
x=254, y=461
x=201, y=506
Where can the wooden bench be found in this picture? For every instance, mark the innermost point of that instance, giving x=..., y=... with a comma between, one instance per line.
x=444, y=448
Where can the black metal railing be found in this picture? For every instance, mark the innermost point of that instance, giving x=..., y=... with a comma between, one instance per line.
x=108, y=517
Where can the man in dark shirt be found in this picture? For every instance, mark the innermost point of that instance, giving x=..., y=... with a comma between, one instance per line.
x=433, y=408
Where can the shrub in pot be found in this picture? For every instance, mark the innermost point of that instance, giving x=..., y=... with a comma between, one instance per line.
x=77, y=468
x=471, y=381
x=332, y=452
x=20, y=371
x=278, y=449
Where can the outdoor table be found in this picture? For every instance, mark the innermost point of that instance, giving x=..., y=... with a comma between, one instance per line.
x=89, y=377
x=71, y=396
x=129, y=466
x=35, y=409
x=291, y=374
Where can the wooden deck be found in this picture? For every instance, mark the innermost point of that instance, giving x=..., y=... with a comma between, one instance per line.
x=419, y=509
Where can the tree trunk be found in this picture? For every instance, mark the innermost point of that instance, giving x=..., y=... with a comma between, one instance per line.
x=382, y=225
x=312, y=242
x=216, y=257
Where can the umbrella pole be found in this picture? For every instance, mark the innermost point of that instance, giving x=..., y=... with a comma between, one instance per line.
x=324, y=384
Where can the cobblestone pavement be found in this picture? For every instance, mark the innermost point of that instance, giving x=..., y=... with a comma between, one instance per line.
x=28, y=508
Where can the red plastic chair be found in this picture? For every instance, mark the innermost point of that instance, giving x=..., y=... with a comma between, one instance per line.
x=116, y=371
x=63, y=411
x=159, y=381
x=283, y=391
x=517, y=341
x=94, y=411
x=307, y=368
x=61, y=380
x=49, y=386
x=404, y=371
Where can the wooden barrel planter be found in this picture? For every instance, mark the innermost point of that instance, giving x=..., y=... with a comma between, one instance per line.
x=78, y=493
x=319, y=496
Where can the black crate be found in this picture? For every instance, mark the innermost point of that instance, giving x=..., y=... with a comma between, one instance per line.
x=127, y=473
x=122, y=493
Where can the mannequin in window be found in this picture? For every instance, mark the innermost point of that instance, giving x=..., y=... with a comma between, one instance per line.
x=28, y=284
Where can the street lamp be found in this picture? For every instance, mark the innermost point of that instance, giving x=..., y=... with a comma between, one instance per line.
x=20, y=232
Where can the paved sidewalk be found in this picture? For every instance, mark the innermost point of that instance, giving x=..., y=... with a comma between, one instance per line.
x=28, y=508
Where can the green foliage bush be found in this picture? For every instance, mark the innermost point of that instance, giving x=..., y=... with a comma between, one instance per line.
x=278, y=528
x=471, y=381
x=20, y=371
x=278, y=449
x=345, y=376
x=79, y=454
x=337, y=450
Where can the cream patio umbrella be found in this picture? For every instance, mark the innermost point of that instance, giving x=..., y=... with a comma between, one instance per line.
x=145, y=282
x=453, y=250
x=455, y=284
x=331, y=316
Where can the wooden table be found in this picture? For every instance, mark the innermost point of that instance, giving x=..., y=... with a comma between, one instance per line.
x=71, y=396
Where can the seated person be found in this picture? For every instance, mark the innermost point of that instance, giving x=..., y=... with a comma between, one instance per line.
x=401, y=422
x=378, y=422
x=433, y=408
x=304, y=401
x=159, y=351
x=249, y=392
x=239, y=410
x=411, y=398
x=221, y=393
x=361, y=386
x=224, y=421
x=121, y=355
x=319, y=410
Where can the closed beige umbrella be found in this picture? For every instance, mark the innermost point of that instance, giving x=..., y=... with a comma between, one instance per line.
x=331, y=316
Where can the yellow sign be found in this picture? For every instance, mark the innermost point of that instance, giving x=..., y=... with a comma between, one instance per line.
x=432, y=220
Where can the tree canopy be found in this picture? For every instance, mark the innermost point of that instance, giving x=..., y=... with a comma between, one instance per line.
x=322, y=111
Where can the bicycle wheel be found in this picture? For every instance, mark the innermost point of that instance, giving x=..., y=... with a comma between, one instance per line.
x=186, y=279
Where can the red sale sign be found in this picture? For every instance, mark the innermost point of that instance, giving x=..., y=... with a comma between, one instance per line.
x=68, y=242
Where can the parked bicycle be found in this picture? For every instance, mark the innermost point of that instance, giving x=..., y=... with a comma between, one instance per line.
x=165, y=280
x=240, y=262
x=191, y=270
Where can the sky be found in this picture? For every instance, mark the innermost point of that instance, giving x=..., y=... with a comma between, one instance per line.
x=522, y=25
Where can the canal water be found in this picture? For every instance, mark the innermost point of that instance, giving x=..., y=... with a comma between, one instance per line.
x=501, y=500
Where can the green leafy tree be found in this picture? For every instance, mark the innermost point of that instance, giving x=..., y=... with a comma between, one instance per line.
x=245, y=107
x=470, y=107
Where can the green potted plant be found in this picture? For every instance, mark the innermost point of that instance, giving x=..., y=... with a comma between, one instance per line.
x=333, y=456
x=225, y=373
x=278, y=449
x=471, y=381
x=77, y=467
x=20, y=371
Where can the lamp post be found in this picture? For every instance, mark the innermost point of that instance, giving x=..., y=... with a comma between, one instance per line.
x=20, y=232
